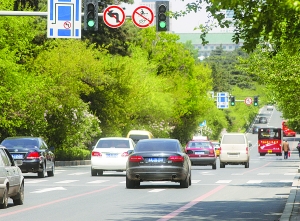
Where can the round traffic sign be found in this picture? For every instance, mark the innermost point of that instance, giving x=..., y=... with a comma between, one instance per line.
x=67, y=25
x=142, y=16
x=114, y=16
x=248, y=100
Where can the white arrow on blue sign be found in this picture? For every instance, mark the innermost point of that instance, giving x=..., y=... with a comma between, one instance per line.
x=64, y=19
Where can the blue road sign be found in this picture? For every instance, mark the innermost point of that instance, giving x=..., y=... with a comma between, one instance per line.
x=203, y=124
x=64, y=19
x=222, y=100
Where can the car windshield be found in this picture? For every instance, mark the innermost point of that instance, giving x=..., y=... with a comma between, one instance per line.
x=136, y=138
x=113, y=143
x=233, y=139
x=199, y=145
x=26, y=143
x=156, y=146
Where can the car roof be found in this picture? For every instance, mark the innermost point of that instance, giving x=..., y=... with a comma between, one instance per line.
x=21, y=137
x=115, y=138
x=158, y=140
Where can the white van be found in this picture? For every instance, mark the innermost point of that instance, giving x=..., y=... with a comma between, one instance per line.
x=137, y=135
x=234, y=150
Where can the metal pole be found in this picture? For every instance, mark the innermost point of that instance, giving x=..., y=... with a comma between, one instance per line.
x=27, y=13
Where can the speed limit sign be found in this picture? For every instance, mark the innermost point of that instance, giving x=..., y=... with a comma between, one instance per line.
x=248, y=101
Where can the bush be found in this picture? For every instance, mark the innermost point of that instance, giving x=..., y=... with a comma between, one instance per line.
x=75, y=153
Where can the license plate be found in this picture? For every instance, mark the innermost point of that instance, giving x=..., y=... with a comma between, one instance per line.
x=269, y=151
x=199, y=152
x=155, y=160
x=17, y=156
x=111, y=155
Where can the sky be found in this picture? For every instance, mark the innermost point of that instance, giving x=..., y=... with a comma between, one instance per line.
x=184, y=24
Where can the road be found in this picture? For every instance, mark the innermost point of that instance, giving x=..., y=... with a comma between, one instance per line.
x=232, y=193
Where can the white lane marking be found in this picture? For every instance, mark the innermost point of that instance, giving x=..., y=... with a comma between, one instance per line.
x=156, y=190
x=34, y=181
x=196, y=181
x=292, y=174
x=286, y=181
x=98, y=181
x=67, y=181
x=263, y=174
x=79, y=173
x=123, y=182
x=48, y=189
x=254, y=181
x=158, y=181
x=224, y=181
x=59, y=170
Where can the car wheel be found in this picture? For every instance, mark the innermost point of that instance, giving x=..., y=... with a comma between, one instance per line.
x=190, y=179
x=129, y=183
x=51, y=172
x=222, y=165
x=42, y=174
x=19, y=200
x=100, y=172
x=4, y=203
x=185, y=183
x=214, y=166
x=247, y=165
x=93, y=172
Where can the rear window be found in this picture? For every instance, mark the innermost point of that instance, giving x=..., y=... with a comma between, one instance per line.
x=233, y=139
x=197, y=144
x=156, y=146
x=113, y=143
x=25, y=143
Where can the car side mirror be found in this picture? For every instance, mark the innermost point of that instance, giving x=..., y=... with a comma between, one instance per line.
x=130, y=152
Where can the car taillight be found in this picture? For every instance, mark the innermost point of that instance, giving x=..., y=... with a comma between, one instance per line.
x=33, y=155
x=211, y=151
x=96, y=154
x=136, y=159
x=220, y=150
x=125, y=154
x=176, y=158
x=246, y=150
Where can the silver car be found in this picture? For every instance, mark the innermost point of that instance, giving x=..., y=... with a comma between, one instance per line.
x=11, y=179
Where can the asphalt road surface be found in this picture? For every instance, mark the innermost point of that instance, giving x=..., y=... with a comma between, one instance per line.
x=231, y=193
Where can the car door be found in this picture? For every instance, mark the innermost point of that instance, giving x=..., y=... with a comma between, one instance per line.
x=9, y=170
x=17, y=174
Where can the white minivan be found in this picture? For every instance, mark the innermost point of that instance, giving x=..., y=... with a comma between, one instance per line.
x=234, y=150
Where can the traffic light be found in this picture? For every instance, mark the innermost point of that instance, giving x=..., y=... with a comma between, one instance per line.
x=91, y=15
x=162, y=20
x=232, y=100
x=255, y=101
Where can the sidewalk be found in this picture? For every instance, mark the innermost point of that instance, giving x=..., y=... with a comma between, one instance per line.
x=292, y=208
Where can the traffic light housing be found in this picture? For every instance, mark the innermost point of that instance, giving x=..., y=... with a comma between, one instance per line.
x=255, y=102
x=232, y=100
x=91, y=15
x=162, y=20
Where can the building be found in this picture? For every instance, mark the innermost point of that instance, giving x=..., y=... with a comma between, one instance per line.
x=215, y=40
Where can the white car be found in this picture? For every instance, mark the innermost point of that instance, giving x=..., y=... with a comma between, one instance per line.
x=110, y=154
x=270, y=107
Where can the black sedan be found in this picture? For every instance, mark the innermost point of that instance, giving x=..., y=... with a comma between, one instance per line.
x=11, y=180
x=34, y=153
x=158, y=160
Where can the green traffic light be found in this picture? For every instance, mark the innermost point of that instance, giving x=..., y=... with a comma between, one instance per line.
x=91, y=23
x=162, y=24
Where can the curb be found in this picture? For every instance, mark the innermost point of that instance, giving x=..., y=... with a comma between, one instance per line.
x=287, y=214
x=72, y=163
